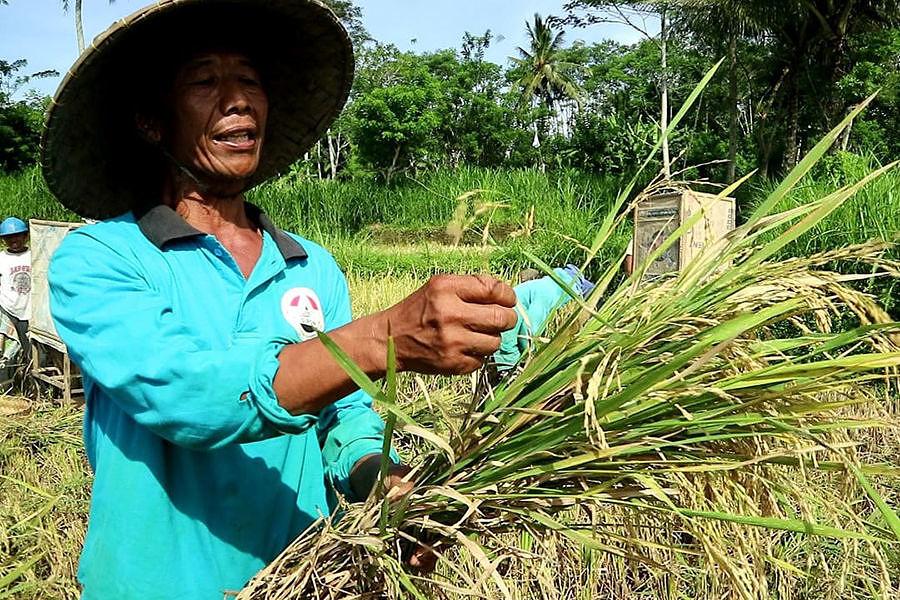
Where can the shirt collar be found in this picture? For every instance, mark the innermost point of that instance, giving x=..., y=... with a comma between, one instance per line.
x=161, y=225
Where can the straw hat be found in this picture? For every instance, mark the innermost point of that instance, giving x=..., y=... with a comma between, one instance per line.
x=92, y=157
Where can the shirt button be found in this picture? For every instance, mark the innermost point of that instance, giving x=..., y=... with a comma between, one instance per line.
x=218, y=252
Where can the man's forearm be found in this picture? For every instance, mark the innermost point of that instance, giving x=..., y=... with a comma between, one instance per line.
x=446, y=327
x=309, y=378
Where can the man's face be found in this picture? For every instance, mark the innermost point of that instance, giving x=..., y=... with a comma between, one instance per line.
x=17, y=242
x=218, y=117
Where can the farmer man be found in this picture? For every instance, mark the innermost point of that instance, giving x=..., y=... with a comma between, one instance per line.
x=217, y=424
x=15, y=279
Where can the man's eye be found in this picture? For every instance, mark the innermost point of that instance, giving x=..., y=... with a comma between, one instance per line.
x=203, y=81
x=250, y=81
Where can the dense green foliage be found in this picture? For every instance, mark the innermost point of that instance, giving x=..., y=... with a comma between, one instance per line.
x=20, y=120
x=795, y=68
x=554, y=215
x=789, y=75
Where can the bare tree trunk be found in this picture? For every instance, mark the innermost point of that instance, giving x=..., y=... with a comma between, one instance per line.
x=79, y=29
x=338, y=153
x=844, y=141
x=319, y=159
x=332, y=155
x=792, y=146
x=536, y=143
x=664, y=121
x=390, y=171
x=733, y=107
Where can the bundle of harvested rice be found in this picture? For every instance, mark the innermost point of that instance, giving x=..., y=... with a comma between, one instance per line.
x=643, y=391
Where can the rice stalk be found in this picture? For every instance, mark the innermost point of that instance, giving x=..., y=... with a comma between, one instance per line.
x=708, y=401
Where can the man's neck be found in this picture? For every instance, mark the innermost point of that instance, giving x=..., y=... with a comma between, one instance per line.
x=209, y=211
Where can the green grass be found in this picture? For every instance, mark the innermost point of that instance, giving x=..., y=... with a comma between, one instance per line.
x=349, y=216
x=25, y=195
x=872, y=214
x=361, y=221
x=564, y=202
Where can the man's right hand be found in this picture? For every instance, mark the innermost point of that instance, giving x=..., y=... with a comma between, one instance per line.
x=447, y=327
x=451, y=324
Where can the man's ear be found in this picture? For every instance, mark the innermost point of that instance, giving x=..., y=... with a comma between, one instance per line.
x=149, y=128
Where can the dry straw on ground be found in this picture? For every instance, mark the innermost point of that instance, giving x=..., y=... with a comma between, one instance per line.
x=44, y=488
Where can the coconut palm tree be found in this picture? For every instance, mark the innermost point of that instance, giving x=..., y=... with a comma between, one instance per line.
x=547, y=78
x=79, y=25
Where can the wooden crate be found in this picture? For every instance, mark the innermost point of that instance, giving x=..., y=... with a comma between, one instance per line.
x=657, y=217
x=50, y=364
x=45, y=239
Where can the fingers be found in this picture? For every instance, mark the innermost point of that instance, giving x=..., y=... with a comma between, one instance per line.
x=481, y=344
x=395, y=485
x=482, y=289
x=450, y=324
x=423, y=560
x=490, y=319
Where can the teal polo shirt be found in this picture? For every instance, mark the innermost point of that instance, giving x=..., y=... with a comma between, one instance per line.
x=200, y=477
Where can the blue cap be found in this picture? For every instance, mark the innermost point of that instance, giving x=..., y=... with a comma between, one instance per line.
x=579, y=283
x=12, y=226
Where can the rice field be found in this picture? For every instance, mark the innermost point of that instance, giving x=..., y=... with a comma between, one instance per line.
x=44, y=494
x=550, y=215
x=389, y=241
x=686, y=426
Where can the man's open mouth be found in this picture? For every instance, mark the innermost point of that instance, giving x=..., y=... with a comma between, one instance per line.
x=239, y=138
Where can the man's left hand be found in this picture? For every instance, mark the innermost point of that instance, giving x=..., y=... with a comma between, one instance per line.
x=362, y=481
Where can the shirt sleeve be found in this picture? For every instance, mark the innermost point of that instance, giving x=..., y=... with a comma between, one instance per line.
x=350, y=428
x=535, y=302
x=121, y=331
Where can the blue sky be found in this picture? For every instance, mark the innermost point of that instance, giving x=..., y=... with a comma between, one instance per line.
x=39, y=31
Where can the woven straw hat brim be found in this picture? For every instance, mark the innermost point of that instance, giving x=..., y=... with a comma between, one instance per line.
x=92, y=159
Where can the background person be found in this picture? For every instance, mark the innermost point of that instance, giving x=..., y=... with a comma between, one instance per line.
x=536, y=299
x=15, y=279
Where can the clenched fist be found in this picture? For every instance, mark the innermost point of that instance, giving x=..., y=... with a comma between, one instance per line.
x=450, y=324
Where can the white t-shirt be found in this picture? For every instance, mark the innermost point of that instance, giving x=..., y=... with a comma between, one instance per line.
x=15, y=284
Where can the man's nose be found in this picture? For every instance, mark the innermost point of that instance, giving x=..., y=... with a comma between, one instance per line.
x=235, y=99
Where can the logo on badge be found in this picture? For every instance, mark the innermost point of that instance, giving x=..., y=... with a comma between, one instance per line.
x=303, y=311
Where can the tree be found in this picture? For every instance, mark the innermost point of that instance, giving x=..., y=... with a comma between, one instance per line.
x=20, y=120
x=804, y=48
x=543, y=76
x=393, y=125
x=479, y=124
x=626, y=12
x=79, y=25
x=723, y=24
x=351, y=16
